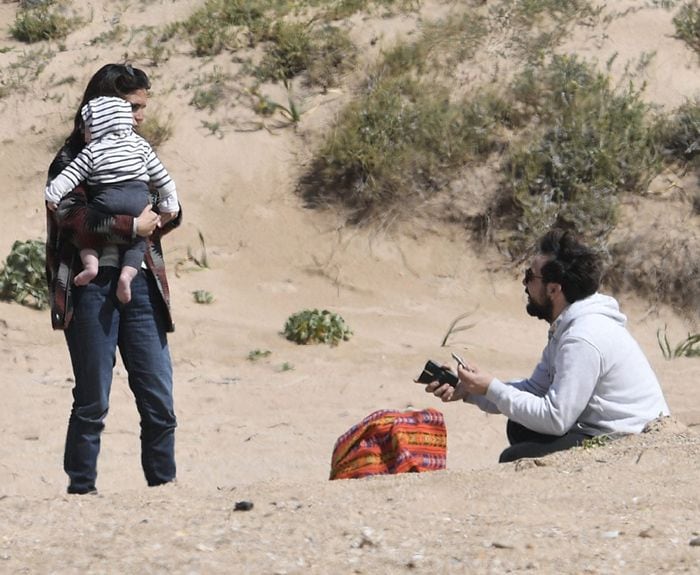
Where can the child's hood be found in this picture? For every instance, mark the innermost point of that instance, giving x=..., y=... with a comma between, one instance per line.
x=107, y=115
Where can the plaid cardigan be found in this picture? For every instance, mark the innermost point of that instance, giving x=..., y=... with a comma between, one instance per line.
x=74, y=223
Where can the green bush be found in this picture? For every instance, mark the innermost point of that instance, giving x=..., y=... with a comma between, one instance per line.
x=42, y=22
x=403, y=140
x=680, y=134
x=314, y=326
x=23, y=277
x=589, y=144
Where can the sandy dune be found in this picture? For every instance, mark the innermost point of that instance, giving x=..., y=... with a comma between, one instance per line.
x=263, y=431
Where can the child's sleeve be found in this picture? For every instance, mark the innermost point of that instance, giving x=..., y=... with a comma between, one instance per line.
x=159, y=177
x=69, y=178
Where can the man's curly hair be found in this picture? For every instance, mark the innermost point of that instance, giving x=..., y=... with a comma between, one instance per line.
x=573, y=265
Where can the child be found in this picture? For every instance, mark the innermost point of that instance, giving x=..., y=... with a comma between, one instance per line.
x=117, y=165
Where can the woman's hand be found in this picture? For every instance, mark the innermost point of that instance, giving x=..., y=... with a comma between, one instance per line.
x=166, y=217
x=146, y=222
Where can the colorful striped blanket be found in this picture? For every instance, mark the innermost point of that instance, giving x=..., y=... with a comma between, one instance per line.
x=389, y=441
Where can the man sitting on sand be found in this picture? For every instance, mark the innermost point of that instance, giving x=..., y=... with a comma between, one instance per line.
x=593, y=377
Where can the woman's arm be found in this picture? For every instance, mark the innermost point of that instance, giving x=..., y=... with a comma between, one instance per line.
x=92, y=227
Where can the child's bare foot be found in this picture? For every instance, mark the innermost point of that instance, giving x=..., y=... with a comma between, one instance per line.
x=124, y=289
x=91, y=265
x=124, y=284
x=85, y=276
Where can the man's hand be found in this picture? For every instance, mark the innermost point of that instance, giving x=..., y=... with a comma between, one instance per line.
x=473, y=379
x=445, y=391
x=146, y=222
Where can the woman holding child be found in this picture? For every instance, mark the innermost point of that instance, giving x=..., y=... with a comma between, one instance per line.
x=96, y=322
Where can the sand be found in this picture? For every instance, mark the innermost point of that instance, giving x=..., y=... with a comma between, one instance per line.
x=263, y=431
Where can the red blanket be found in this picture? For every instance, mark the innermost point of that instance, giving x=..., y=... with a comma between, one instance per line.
x=388, y=441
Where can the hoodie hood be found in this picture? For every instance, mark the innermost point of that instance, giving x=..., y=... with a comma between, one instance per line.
x=107, y=115
x=596, y=304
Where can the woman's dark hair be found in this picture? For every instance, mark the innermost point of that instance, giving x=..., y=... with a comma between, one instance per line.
x=118, y=80
x=576, y=267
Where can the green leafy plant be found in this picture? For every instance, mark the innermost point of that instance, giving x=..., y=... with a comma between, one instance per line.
x=314, y=326
x=203, y=296
x=286, y=366
x=597, y=441
x=23, y=277
x=689, y=347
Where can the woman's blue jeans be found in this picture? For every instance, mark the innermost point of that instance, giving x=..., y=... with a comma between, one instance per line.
x=100, y=324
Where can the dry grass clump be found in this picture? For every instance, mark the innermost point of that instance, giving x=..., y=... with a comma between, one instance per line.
x=156, y=130
x=292, y=48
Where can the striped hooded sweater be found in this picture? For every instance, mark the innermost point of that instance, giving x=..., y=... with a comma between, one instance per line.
x=115, y=154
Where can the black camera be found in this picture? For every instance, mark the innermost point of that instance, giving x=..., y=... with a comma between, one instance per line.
x=433, y=372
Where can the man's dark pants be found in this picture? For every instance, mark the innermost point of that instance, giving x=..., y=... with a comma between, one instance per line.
x=527, y=443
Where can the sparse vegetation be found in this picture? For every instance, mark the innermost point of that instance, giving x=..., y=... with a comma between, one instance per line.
x=211, y=90
x=689, y=347
x=43, y=21
x=18, y=75
x=680, y=134
x=23, y=277
x=112, y=35
x=223, y=25
x=296, y=47
x=314, y=326
x=558, y=140
x=266, y=107
x=155, y=130
x=595, y=442
x=687, y=23
x=203, y=296
x=258, y=354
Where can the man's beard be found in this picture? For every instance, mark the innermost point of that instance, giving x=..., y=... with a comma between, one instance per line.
x=540, y=311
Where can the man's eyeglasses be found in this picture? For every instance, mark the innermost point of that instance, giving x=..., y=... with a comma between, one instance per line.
x=530, y=275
